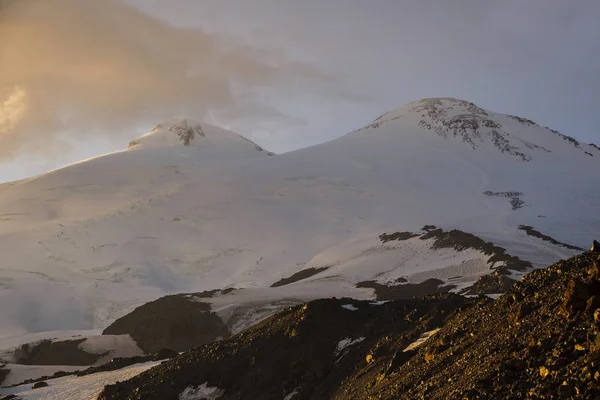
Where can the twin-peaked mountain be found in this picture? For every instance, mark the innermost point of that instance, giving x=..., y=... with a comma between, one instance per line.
x=429, y=197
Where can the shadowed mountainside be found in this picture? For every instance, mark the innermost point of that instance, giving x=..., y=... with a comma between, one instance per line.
x=540, y=340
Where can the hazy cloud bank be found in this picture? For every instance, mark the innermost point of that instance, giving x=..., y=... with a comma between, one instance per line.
x=91, y=67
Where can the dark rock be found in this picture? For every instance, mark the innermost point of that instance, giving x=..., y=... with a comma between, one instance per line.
x=498, y=282
x=178, y=322
x=40, y=384
x=593, y=304
x=397, y=236
x=58, y=374
x=531, y=231
x=48, y=352
x=122, y=362
x=398, y=359
x=3, y=373
x=564, y=391
x=594, y=271
x=476, y=353
x=298, y=276
x=459, y=240
x=595, y=247
x=523, y=310
x=515, y=364
x=113, y=365
x=186, y=133
x=490, y=284
x=266, y=362
x=516, y=296
x=514, y=198
x=406, y=290
x=164, y=354
x=576, y=296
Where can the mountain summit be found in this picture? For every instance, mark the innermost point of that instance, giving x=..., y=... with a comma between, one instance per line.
x=478, y=128
x=190, y=133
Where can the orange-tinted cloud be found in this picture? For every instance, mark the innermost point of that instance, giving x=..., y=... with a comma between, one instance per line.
x=85, y=66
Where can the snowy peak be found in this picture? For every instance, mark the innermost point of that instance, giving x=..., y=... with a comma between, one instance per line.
x=172, y=133
x=478, y=128
x=432, y=110
x=446, y=106
x=190, y=133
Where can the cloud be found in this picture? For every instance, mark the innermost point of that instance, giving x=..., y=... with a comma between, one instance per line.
x=12, y=110
x=90, y=67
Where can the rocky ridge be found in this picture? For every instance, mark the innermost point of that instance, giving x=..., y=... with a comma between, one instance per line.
x=540, y=340
x=450, y=117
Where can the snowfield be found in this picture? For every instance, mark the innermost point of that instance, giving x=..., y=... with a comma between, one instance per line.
x=86, y=387
x=190, y=207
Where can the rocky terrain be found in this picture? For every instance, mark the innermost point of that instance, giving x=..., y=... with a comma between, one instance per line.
x=309, y=349
x=48, y=352
x=472, y=125
x=540, y=340
x=3, y=373
x=176, y=322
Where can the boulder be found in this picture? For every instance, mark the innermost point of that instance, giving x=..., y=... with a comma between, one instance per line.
x=38, y=385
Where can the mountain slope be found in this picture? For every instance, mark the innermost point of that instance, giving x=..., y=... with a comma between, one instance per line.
x=172, y=152
x=100, y=237
x=538, y=341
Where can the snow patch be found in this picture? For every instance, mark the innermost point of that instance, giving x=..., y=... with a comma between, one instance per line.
x=350, y=307
x=343, y=344
x=379, y=302
x=77, y=388
x=291, y=395
x=202, y=392
x=421, y=340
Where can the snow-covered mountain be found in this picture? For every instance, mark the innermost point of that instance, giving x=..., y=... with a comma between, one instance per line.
x=190, y=207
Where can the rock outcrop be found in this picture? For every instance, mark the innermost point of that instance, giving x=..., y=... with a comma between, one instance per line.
x=539, y=340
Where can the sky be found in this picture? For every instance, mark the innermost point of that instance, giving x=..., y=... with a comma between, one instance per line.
x=79, y=78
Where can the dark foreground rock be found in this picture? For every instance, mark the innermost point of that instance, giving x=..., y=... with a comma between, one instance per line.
x=300, y=349
x=535, y=342
x=177, y=322
x=540, y=340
